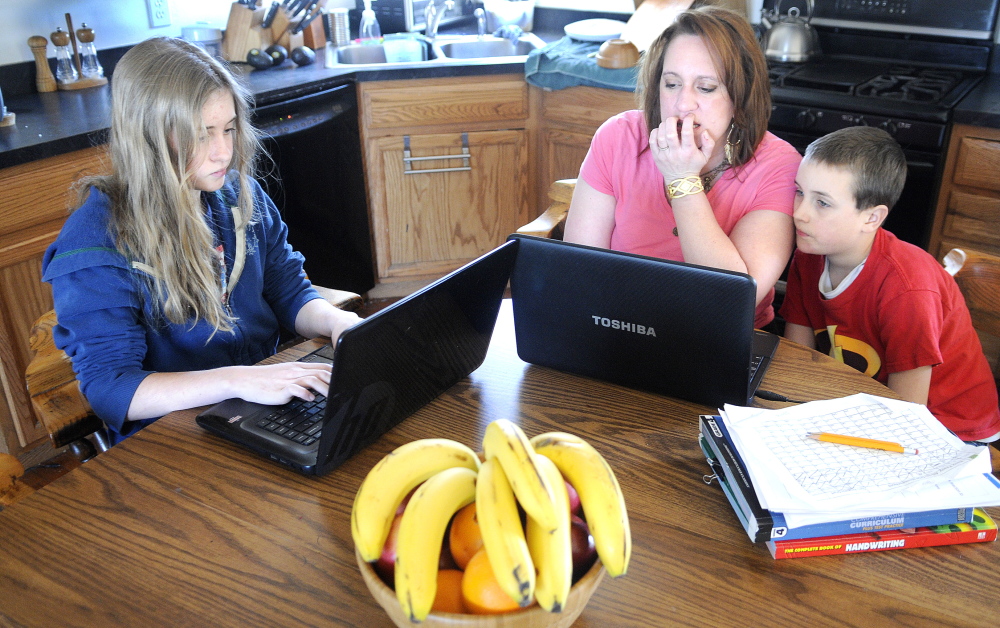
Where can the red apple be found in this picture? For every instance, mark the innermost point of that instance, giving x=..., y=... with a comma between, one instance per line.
x=406, y=500
x=574, y=499
x=584, y=552
x=385, y=566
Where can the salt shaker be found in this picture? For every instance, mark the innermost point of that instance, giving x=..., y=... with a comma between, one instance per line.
x=90, y=67
x=65, y=68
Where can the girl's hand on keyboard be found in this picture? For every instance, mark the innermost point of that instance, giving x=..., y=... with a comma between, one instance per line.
x=276, y=384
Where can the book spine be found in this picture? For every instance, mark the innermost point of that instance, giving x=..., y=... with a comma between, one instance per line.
x=885, y=541
x=758, y=520
x=780, y=531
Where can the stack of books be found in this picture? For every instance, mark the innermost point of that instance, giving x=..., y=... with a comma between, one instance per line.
x=821, y=514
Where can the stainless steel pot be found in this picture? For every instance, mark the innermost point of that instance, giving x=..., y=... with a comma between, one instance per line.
x=790, y=38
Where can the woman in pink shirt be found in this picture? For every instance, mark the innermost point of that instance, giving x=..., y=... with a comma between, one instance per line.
x=684, y=178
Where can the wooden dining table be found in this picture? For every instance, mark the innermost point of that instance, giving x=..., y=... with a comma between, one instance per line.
x=176, y=527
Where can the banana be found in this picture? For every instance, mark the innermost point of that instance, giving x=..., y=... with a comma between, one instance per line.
x=392, y=479
x=421, y=532
x=552, y=551
x=600, y=494
x=503, y=536
x=506, y=442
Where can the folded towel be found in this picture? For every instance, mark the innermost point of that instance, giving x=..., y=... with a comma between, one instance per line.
x=567, y=63
x=511, y=32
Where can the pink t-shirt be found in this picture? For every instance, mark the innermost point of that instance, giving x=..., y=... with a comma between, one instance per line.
x=619, y=164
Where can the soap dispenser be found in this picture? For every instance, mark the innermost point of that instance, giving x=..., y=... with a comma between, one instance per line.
x=369, y=30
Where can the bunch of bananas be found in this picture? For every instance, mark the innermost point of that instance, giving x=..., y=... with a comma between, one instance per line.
x=532, y=562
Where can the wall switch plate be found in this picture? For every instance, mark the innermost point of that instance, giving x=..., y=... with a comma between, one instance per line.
x=159, y=13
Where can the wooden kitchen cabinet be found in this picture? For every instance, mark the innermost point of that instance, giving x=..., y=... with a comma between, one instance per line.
x=968, y=209
x=446, y=162
x=568, y=119
x=34, y=205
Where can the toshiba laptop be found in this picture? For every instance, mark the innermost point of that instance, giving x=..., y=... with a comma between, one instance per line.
x=677, y=329
x=384, y=369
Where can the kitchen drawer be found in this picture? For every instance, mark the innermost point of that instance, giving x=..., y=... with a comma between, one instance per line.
x=973, y=217
x=40, y=191
x=405, y=104
x=978, y=163
x=584, y=106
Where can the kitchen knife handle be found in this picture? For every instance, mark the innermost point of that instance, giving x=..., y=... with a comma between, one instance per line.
x=269, y=16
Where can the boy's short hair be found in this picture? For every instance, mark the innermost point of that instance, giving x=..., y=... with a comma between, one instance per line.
x=872, y=156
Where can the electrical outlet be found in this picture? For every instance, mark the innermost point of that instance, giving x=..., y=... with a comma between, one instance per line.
x=159, y=13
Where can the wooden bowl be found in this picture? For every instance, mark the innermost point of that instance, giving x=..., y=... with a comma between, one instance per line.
x=617, y=54
x=531, y=617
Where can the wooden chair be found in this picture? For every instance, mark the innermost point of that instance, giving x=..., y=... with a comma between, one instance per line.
x=978, y=277
x=550, y=224
x=55, y=393
x=11, y=488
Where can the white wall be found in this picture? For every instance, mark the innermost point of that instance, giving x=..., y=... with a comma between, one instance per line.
x=115, y=22
x=124, y=22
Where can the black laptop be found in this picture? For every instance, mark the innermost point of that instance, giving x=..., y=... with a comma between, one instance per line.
x=384, y=369
x=673, y=328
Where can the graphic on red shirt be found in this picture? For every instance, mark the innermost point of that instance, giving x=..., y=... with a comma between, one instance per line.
x=851, y=351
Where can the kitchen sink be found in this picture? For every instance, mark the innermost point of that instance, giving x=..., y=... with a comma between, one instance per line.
x=475, y=47
x=363, y=54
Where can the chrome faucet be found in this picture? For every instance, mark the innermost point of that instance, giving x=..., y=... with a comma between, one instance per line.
x=433, y=15
x=480, y=22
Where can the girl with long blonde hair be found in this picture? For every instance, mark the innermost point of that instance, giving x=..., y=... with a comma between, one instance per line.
x=174, y=275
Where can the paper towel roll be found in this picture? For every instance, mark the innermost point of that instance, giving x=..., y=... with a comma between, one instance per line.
x=753, y=10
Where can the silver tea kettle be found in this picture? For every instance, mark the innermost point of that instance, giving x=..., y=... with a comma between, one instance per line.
x=790, y=38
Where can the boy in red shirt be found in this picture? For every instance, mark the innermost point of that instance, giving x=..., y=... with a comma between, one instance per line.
x=874, y=302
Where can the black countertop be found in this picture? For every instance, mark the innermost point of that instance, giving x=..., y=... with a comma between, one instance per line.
x=53, y=123
x=981, y=107
x=49, y=124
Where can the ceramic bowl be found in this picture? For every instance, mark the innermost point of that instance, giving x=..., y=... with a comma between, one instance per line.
x=616, y=54
x=531, y=617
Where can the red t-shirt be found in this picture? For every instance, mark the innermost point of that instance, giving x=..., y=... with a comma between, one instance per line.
x=903, y=311
x=619, y=164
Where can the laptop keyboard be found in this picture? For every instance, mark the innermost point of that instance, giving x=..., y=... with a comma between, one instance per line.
x=299, y=421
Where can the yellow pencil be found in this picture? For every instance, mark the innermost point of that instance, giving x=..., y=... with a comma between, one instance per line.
x=862, y=442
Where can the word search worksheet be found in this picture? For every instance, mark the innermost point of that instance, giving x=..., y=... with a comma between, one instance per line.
x=822, y=470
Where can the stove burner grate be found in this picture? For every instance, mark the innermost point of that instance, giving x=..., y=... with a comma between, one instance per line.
x=910, y=84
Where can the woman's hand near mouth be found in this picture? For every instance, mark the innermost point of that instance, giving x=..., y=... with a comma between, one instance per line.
x=677, y=154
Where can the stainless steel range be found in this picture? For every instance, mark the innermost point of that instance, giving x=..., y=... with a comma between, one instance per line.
x=901, y=65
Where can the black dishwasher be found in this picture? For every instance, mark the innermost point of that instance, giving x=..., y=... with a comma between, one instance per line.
x=317, y=182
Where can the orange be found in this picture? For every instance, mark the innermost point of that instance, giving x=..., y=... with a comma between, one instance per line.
x=464, y=538
x=448, y=598
x=481, y=591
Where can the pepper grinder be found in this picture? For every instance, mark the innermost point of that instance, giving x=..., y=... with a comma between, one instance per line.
x=44, y=81
x=65, y=68
x=90, y=66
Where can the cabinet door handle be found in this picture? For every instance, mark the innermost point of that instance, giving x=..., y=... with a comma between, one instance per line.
x=464, y=156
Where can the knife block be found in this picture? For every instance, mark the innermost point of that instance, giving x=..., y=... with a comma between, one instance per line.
x=244, y=33
x=281, y=31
